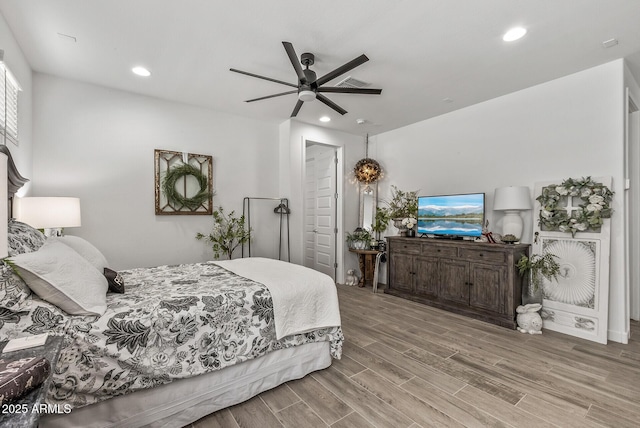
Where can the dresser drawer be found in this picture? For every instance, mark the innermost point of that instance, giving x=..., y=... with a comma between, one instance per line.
x=430, y=250
x=405, y=247
x=482, y=255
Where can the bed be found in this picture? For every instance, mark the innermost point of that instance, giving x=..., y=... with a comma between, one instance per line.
x=178, y=343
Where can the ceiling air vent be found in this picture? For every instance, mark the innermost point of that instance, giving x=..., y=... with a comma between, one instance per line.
x=350, y=82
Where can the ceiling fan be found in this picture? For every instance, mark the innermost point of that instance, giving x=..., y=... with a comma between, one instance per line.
x=309, y=87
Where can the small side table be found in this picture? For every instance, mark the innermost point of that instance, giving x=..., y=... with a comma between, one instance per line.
x=35, y=397
x=367, y=260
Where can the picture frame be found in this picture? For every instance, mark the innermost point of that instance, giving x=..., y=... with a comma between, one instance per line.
x=183, y=183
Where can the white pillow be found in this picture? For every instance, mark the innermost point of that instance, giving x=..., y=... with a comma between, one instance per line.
x=86, y=250
x=61, y=276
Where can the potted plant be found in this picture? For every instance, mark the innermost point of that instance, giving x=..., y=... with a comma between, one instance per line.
x=380, y=221
x=359, y=239
x=402, y=205
x=227, y=234
x=409, y=223
x=536, y=268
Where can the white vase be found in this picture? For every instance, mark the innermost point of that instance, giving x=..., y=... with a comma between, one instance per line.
x=402, y=228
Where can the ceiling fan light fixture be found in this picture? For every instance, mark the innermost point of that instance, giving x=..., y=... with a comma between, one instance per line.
x=309, y=86
x=306, y=95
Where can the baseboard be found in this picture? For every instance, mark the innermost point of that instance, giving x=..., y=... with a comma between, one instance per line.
x=618, y=336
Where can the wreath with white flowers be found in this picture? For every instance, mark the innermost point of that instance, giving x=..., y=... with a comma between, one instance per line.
x=595, y=206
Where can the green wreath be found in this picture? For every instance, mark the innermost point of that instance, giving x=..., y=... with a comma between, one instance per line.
x=595, y=206
x=172, y=194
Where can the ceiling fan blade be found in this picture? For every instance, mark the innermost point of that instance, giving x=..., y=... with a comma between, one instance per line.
x=263, y=77
x=271, y=96
x=341, y=90
x=342, y=69
x=296, y=109
x=293, y=57
x=330, y=103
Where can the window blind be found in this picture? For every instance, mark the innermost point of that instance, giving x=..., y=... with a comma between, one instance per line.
x=9, y=89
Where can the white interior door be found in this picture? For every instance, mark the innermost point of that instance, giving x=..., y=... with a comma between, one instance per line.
x=320, y=209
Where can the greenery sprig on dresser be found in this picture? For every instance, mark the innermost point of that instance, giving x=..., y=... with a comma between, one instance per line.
x=228, y=232
x=402, y=204
x=596, y=205
x=175, y=197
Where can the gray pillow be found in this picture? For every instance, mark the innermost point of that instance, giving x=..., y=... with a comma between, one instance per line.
x=59, y=275
x=23, y=238
x=85, y=249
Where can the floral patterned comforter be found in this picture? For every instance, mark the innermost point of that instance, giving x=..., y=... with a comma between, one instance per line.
x=172, y=322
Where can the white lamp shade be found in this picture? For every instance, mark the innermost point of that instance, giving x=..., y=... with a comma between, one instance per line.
x=49, y=212
x=4, y=205
x=512, y=198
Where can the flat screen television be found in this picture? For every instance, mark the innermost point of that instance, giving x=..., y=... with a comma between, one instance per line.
x=451, y=215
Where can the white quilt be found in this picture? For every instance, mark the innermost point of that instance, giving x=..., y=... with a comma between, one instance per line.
x=303, y=299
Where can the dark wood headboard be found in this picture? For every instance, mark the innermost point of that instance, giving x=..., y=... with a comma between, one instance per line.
x=15, y=180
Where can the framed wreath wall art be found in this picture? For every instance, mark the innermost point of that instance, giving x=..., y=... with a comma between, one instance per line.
x=592, y=202
x=183, y=183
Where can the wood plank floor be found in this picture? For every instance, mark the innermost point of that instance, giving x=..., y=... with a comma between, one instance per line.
x=409, y=365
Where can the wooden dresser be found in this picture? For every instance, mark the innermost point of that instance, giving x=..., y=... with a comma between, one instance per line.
x=476, y=279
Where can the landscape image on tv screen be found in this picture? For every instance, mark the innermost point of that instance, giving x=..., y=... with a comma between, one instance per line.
x=455, y=215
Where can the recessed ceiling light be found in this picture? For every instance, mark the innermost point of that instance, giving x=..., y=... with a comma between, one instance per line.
x=141, y=71
x=325, y=119
x=514, y=34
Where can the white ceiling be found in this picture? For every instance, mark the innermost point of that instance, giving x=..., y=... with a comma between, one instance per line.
x=422, y=52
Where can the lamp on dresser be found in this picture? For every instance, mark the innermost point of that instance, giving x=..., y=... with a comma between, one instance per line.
x=49, y=213
x=512, y=200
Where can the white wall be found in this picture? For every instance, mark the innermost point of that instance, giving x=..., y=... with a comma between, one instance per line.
x=569, y=127
x=293, y=135
x=17, y=63
x=98, y=144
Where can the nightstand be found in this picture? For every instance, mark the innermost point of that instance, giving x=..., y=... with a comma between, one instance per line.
x=35, y=397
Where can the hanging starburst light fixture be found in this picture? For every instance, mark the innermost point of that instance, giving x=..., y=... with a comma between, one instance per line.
x=367, y=170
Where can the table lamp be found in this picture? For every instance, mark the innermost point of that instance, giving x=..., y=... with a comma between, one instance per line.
x=512, y=200
x=49, y=213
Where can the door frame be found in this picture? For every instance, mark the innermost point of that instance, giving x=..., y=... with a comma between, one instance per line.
x=631, y=207
x=338, y=212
